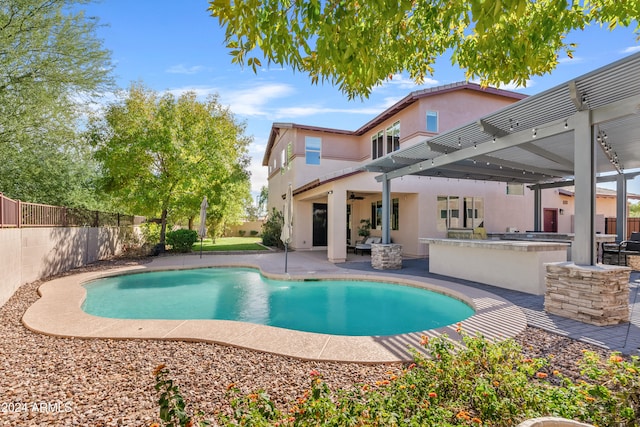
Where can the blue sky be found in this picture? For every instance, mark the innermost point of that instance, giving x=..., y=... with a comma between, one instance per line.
x=177, y=46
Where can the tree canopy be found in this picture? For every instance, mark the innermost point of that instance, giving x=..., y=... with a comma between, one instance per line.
x=51, y=62
x=161, y=155
x=359, y=44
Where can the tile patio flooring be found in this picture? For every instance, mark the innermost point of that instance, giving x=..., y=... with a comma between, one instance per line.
x=624, y=338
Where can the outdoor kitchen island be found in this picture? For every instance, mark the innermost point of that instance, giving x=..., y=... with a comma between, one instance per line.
x=516, y=265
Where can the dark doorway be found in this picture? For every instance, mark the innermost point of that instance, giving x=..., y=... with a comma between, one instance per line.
x=550, y=220
x=319, y=224
x=349, y=225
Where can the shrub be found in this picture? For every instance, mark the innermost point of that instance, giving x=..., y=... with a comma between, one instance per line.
x=242, y=232
x=182, y=240
x=272, y=229
x=150, y=233
x=479, y=383
x=254, y=233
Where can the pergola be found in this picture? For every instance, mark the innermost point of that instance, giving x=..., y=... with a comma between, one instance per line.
x=584, y=131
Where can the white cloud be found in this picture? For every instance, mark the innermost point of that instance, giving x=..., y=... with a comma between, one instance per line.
x=305, y=111
x=254, y=101
x=406, y=83
x=201, y=91
x=182, y=69
x=259, y=174
x=574, y=60
x=631, y=49
x=511, y=85
x=514, y=86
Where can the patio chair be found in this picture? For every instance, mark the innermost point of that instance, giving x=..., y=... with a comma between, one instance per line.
x=623, y=249
x=366, y=246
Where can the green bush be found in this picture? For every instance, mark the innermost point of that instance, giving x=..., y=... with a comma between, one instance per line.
x=242, y=233
x=182, y=240
x=481, y=383
x=254, y=233
x=150, y=233
x=272, y=229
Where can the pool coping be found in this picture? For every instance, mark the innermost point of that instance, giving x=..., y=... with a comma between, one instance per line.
x=58, y=313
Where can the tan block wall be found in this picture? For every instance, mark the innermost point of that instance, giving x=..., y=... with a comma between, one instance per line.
x=248, y=227
x=29, y=254
x=10, y=255
x=598, y=295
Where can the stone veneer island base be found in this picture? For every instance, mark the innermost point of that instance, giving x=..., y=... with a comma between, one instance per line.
x=597, y=294
x=386, y=256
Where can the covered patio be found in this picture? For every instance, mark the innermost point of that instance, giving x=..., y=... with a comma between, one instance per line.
x=580, y=133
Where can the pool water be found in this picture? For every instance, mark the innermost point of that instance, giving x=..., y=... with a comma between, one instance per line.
x=325, y=306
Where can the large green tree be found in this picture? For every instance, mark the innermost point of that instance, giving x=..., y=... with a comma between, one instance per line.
x=358, y=44
x=161, y=155
x=51, y=63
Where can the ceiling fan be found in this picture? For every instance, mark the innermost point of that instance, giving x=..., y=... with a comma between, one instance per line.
x=353, y=196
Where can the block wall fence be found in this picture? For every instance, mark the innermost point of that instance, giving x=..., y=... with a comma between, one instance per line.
x=30, y=254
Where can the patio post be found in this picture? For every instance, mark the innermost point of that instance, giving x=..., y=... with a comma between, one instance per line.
x=584, y=245
x=537, y=209
x=621, y=208
x=386, y=202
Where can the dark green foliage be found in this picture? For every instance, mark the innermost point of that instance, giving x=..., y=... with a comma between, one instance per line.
x=272, y=229
x=182, y=240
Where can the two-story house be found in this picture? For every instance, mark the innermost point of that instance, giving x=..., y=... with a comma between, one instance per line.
x=332, y=194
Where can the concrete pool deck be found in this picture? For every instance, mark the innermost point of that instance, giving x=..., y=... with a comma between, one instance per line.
x=58, y=312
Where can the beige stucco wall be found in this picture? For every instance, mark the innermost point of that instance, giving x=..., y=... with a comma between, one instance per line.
x=247, y=227
x=337, y=176
x=10, y=255
x=555, y=199
x=417, y=205
x=29, y=254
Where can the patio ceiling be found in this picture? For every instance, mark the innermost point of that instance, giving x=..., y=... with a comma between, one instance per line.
x=532, y=140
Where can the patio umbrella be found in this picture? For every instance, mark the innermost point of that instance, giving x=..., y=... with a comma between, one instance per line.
x=285, y=236
x=202, y=228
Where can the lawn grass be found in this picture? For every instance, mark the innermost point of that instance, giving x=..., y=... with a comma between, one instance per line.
x=230, y=244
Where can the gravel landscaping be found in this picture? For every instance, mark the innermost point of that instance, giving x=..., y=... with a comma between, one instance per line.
x=50, y=381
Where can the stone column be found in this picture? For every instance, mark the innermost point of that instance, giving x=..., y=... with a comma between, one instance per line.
x=386, y=256
x=598, y=295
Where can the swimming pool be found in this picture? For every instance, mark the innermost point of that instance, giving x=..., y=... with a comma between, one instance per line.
x=336, y=307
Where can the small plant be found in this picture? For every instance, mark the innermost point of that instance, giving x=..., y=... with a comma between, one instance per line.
x=365, y=228
x=150, y=233
x=241, y=233
x=254, y=233
x=173, y=411
x=182, y=240
x=476, y=383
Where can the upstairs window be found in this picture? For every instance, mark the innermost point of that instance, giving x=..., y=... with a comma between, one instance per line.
x=377, y=145
x=393, y=137
x=312, y=147
x=432, y=121
x=283, y=161
x=515, y=189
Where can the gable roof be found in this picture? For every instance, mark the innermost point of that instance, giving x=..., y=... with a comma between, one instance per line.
x=389, y=112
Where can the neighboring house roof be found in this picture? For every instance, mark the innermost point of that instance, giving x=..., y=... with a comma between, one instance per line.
x=389, y=112
x=600, y=192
